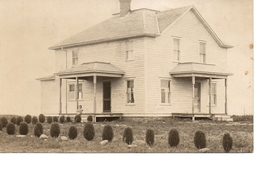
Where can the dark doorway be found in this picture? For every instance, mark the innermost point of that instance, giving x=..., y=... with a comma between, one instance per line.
x=107, y=96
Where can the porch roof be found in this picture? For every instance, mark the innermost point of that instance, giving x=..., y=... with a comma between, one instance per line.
x=199, y=70
x=47, y=78
x=91, y=69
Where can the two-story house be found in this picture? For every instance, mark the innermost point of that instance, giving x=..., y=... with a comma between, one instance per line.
x=141, y=63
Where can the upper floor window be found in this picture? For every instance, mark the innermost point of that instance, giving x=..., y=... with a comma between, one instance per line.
x=129, y=50
x=213, y=94
x=75, y=57
x=72, y=92
x=176, y=49
x=202, y=52
x=165, y=91
x=130, y=91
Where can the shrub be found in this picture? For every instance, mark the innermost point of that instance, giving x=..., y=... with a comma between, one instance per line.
x=13, y=120
x=41, y=118
x=73, y=132
x=107, y=133
x=200, y=139
x=28, y=119
x=55, y=130
x=10, y=129
x=19, y=120
x=173, y=138
x=149, y=137
x=128, y=136
x=62, y=119
x=68, y=119
x=55, y=119
x=4, y=121
x=90, y=118
x=38, y=129
x=23, y=128
x=89, y=131
x=34, y=120
x=77, y=119
x=227, y=142
x=1, y=126
x=49, y=120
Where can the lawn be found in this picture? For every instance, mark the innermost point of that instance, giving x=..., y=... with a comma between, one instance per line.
x=241, y=132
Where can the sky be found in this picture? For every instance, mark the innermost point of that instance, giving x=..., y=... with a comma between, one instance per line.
x=29, y=27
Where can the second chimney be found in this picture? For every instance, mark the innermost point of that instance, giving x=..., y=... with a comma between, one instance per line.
x=125, y=7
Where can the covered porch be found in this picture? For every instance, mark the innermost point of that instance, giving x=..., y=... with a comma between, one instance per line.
x=202, y=72
x=91, y=71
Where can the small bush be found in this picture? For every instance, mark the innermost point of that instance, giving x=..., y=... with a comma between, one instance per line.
x=28, y=118
x=55, y=130
x=62, y=119
x=1, y=126
x=23, y=128
x=55, y=119
x=68, y=119
x=19, y=120
x=73, y=132
x=173, y=138
x=107, y=133
x=4, y=122
x=13, y=120
x=149, y=137
x=77, y=119
x=38, y=129
x=128, y=136
x=90, y=118
x=41, y=118
x=34, y=120
x=200, y=139
x=89, y=131
x=49, y=120
x=10, y=129
x=227, y=142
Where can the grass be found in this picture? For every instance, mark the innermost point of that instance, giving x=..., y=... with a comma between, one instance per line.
x=242, y=134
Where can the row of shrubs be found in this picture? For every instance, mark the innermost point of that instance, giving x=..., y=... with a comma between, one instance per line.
x=107, y=134
x=29, y=119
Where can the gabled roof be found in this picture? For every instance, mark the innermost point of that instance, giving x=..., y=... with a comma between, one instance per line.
x=90, y=68
x=191, y=68
x=141, y=22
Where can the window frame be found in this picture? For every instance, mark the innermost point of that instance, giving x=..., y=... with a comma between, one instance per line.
x=178, y=58
x=204, y=53
x=131, y=92
x=75, y=51
x=127, y=50
x=169, y=92
x=212, y=94
x=74, y=92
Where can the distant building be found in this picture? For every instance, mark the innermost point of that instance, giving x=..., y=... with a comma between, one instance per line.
x=140, y=63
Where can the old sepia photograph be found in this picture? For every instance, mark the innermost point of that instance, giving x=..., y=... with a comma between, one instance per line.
x=126, y=76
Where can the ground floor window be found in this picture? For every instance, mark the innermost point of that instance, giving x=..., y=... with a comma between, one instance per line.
x=72, y=92
x=130, y=91
x=213, y=94
x=165, y=91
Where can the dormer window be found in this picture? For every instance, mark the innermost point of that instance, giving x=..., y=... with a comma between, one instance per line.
x=202, y=52
x=176, y=49
x=129, y=50
x=75, y=57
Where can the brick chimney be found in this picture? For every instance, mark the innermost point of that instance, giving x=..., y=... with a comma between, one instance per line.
x=125, y=7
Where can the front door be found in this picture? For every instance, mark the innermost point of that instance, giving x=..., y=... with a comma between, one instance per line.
x=197, y=89
x=107, y=96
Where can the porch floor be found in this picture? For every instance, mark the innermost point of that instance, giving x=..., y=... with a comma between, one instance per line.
x=213, y=116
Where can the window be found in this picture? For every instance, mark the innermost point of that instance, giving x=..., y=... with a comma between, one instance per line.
x=72, y=92
x=129, y=50
x=74, y=57
x=213, y=94
x=176, y=49
x=130, y=91
x=202, y=52
x=165, y=91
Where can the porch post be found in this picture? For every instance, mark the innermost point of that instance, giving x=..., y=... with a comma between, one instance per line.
x=226, y=111
x=193, y=83
x=94, y=102
x=77, y=91
x=60, y=104
x=210, y=95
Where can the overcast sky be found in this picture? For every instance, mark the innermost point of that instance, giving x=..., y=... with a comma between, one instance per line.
x=29, y=27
